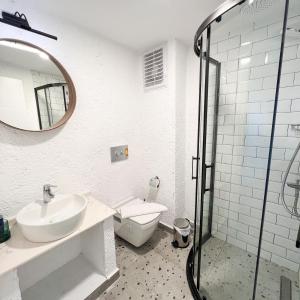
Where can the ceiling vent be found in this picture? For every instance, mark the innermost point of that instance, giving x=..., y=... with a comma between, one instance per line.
x=154, y=68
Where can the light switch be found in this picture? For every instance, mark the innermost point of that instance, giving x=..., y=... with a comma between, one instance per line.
x=119, y=153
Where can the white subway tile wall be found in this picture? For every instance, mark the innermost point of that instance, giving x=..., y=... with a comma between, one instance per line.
x=249, y=66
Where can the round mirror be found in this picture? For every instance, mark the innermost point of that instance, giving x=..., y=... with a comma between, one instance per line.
x=36, y=92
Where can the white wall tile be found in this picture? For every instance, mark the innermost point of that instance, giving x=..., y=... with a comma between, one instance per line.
x=280, y=251
x=254, y=35
x=295, y=106
x=229, y=44
x=250, y=85
x=243, y=108
x=243, y=75
x=245, y=50
x=240, y=170
x=285, y=262
x=285, y=80
x=244, y=151
x=267, y=236
x=288, y=222
x=284, y=242
x=262, y=95
x=232, y=77
x=266, y=45
x=293, y=256
x=291, y=66
x=276, y=229
x=252, y=202
x=264, y=71
x=289, y=53
x=297, y=78
x=291, y=92
x=257, y=141
x=242, y=97
x=237, y=243
x=247, y=238
x=252, y=61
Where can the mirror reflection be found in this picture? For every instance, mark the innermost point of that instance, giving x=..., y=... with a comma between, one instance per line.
x=34, y=94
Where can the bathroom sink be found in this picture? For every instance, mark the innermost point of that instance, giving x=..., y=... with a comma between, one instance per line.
x=40, y=222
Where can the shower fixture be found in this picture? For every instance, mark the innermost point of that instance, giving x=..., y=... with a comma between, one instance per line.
x=20, y=21
x=294, y=185
x=294, y=211
x=296, y=30
x=293, y=32
x=295, y=127
x=255, y=7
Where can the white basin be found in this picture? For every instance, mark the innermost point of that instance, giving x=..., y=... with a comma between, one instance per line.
x=40, y=222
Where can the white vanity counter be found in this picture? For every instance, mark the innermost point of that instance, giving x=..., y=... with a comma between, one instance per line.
x=39, y=265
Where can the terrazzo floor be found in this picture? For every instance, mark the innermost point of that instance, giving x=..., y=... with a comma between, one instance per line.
x=154, y=271
x=228, y=273
x=157, y=271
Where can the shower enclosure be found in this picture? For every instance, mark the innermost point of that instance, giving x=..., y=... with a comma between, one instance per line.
x=52, y=101
x=249, y=88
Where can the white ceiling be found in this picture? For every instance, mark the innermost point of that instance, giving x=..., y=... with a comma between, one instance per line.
x=137, y=24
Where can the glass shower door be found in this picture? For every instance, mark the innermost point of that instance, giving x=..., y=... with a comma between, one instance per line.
x=230, y=207
x=205, y=226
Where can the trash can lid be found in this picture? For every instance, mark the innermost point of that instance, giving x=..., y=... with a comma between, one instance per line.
x=181, y=223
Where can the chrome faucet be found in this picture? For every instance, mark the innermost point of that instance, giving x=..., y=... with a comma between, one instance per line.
x=47, y=193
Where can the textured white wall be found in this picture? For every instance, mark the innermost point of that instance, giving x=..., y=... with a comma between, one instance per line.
x=163, y=124
x=192, y=94
x=180, y=126
x=112, y=109
x=158, y=134
x=76, y=157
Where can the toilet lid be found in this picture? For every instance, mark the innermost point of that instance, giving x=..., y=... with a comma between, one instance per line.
x=144, y=219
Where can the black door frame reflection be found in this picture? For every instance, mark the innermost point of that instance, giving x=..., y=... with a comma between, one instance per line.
x=48, y=101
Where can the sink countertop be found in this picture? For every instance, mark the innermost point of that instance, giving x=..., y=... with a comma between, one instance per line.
x=18, y=251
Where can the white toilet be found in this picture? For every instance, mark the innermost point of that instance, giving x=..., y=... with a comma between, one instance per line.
x=136, y=230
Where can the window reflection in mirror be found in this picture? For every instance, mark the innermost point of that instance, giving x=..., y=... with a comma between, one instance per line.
x=34, y=94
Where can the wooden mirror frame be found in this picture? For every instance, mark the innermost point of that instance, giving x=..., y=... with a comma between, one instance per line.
x=67, y=77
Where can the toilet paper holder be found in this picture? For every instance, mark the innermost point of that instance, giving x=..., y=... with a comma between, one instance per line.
x=154, y=182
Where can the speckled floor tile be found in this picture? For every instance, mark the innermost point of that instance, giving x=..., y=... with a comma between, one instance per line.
x=228, y=273
x=157, y=271
x=154, y=271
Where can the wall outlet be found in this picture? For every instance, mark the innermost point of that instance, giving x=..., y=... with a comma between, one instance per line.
x=118, y=153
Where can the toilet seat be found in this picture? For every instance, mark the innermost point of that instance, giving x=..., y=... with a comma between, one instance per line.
x=138, y=229
x=144, y=219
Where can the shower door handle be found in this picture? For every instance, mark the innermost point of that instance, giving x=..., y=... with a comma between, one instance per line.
x=207, y=167
x=193, y=159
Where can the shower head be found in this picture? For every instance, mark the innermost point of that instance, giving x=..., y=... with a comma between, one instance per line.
x=253, y=7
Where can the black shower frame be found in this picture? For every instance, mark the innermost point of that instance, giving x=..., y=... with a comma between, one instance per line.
x=44, y=87
x=198, y=49
x=211, y=166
